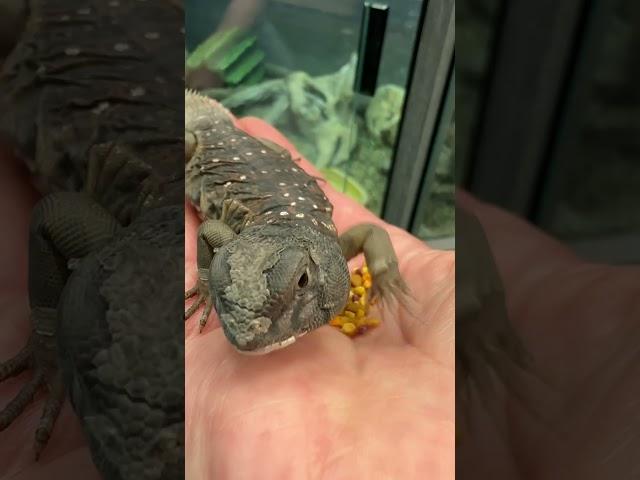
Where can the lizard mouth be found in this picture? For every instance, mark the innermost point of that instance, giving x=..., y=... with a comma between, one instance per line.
x=281, y=331
x=273, y=347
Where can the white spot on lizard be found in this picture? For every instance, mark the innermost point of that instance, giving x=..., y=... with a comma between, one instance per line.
x=138, y=92
x=101, y=107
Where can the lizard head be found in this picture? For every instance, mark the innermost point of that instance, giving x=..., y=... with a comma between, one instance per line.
x=273, y=285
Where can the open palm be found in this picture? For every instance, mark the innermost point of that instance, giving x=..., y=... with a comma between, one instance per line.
x=579, y=321
x=379, y=406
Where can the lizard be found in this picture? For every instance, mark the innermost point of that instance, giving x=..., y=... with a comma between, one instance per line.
x=269, y=256
x=91, y=101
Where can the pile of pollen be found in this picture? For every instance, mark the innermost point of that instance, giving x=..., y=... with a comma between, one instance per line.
x=354, y=319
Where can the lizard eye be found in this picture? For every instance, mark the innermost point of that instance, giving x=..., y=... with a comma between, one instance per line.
x=303, y=280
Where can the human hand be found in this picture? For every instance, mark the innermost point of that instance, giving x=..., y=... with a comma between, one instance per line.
x=66, y=453
x=379, y=406
x=577, y=413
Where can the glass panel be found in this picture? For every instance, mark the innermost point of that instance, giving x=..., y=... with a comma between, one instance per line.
x=292, y=63
x=435, y=212
x=598, y=143
x=477, y=23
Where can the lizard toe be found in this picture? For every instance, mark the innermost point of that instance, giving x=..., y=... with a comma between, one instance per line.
x=18, y=403
x=39, y=354
x=235, y=214
x=192, y=292
x=205, y=314
x=389, y=286
x=201, y=292
x=50, y=413
x=194, y=306
x=16, y=365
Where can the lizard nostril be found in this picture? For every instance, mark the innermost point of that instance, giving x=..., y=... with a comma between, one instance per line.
x=303, y=280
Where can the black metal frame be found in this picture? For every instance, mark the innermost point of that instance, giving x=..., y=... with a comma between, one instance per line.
x=430, y=70
x=524, y=149
x=529, y=74
x=442, y=129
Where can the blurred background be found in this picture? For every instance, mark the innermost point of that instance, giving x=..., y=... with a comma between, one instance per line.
x=365, y=91
x=549, y=116
x=548, y=113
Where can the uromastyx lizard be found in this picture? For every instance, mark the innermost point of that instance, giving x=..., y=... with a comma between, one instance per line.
x=91, y=98
x=269, y=256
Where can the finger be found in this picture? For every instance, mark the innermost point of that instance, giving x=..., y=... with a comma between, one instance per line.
x=430, y=275
x=514, y=241
x=191, y=223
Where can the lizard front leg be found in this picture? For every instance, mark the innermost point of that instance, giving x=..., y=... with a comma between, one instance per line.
x=213, y=234
x=381, y=259
x=64, y=227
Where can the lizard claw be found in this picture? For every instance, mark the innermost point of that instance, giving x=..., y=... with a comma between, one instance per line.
x=50, y=413
x=387, y=283
x=191, y=293
x=389, y=286
x=40, y=354
x=202, y=297
x=235, y=214
x=205, y=314
x=195, y=305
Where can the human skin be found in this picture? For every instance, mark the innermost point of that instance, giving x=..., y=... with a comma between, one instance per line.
x=579, y=321
x=329, y=407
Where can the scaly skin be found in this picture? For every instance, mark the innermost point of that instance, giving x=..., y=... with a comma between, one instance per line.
x=269, y=256
x=94, y=109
